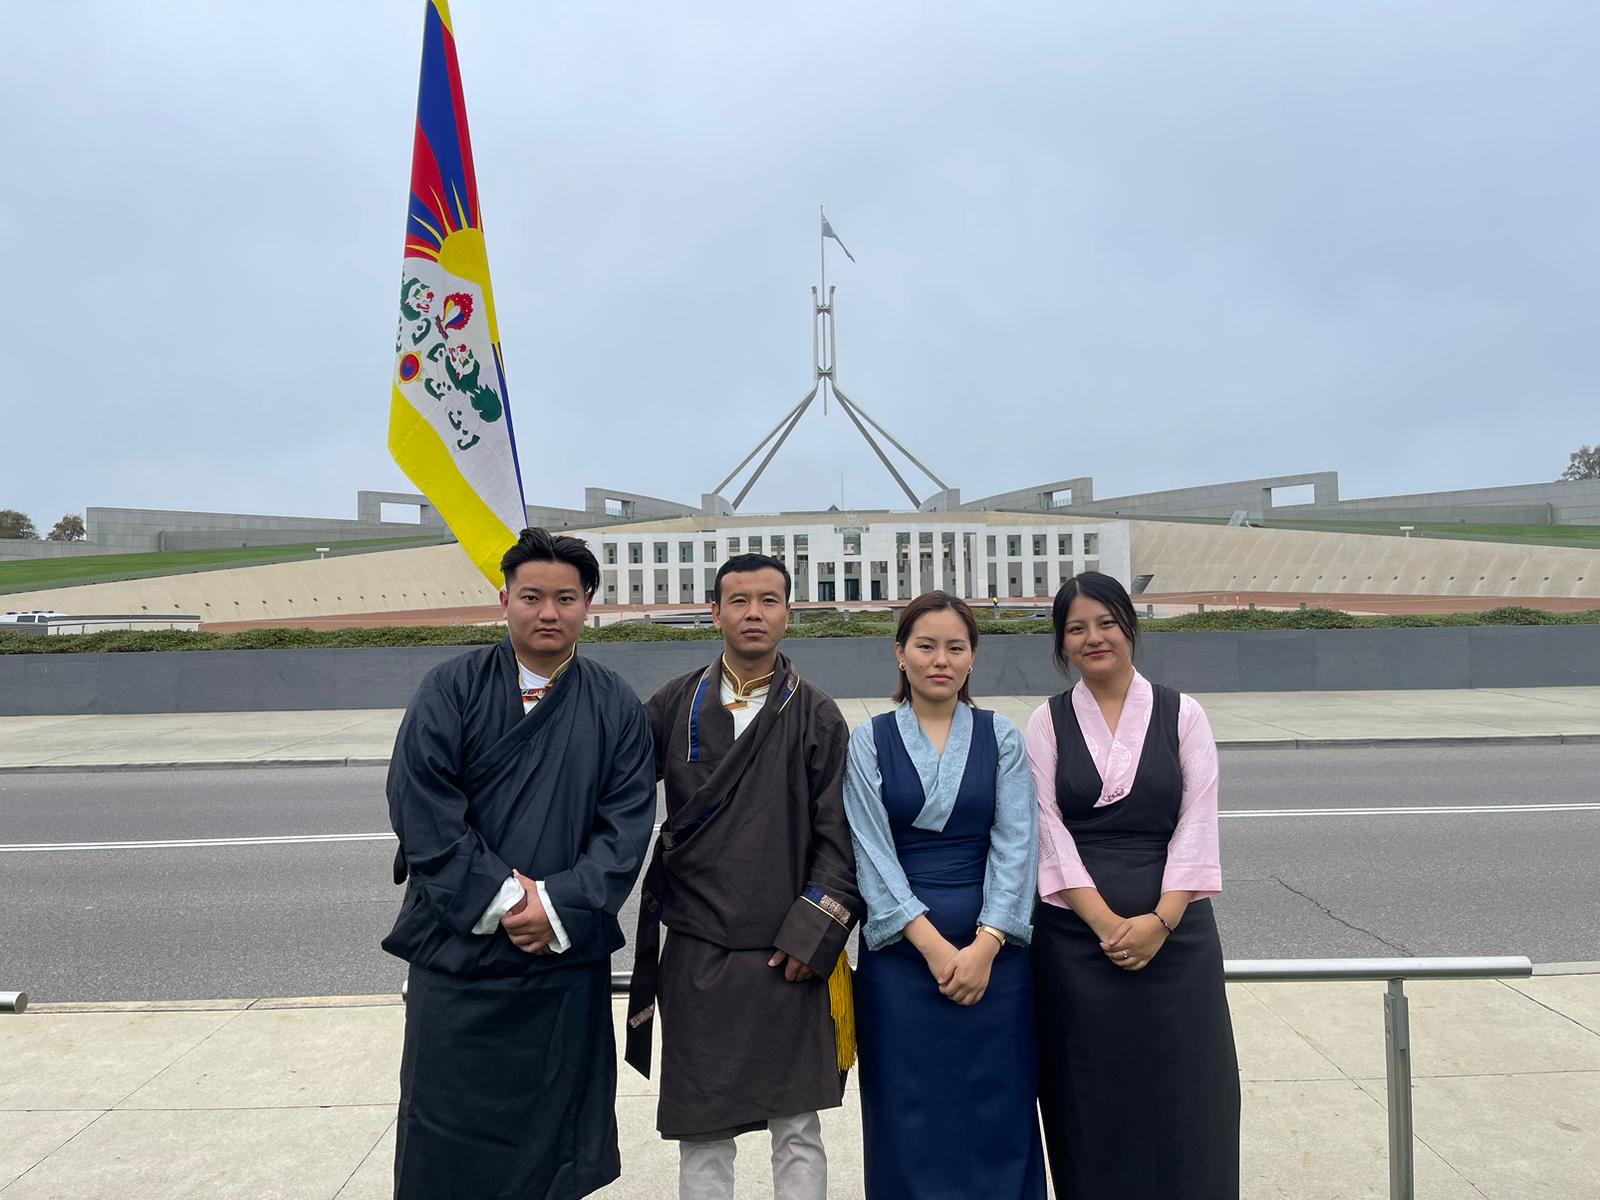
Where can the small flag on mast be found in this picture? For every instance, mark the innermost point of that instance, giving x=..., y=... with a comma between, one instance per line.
x=827, y=232
x=449, y=416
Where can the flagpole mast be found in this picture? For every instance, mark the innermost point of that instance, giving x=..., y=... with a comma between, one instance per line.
x=822, y=247
x=822, y=294
x=824, y=349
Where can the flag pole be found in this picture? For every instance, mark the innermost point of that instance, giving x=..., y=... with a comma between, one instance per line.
x=822, y=294
x=822, y=247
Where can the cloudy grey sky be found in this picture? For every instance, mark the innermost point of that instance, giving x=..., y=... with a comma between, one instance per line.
x=1159, y=244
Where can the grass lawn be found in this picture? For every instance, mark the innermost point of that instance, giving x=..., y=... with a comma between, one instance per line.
x=37, y=574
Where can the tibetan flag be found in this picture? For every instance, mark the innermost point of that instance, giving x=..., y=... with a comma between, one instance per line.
x=449, y=416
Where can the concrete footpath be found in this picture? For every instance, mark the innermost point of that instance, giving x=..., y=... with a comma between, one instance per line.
x=364, y=737
x=295, y=1098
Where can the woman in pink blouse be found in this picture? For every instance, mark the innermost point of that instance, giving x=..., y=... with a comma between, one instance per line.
x=1138, y=1081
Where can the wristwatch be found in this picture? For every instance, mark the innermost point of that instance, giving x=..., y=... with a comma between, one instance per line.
x=994, y=933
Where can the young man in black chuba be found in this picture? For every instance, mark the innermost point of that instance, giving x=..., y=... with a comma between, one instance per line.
x=522, y=789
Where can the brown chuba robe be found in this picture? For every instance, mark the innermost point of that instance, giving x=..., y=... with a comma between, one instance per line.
x=755, y=854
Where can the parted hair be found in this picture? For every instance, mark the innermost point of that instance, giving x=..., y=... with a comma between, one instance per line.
x=540, y=545
x=1096, y=586
x=931, y=602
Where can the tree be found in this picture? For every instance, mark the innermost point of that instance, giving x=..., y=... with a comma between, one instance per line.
x=1585, y=464
x=14, y=524
x=68, y=529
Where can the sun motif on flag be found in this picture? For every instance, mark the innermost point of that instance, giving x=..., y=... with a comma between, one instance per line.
x=444, y=188
x=410, y=367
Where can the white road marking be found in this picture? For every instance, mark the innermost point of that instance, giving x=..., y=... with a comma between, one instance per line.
x=192, y=843
x=1407, y=810
x=311, y=839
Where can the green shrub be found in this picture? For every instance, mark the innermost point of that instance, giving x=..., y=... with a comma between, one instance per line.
x=832, y=625
x=1516, y=615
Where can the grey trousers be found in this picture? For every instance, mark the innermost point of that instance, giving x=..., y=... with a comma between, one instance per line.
x=799, y=1164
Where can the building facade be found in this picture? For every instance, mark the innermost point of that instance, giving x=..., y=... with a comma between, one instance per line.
x=859, y=557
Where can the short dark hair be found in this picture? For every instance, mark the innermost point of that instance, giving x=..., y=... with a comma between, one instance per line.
x=931, y=602
x=1096, y=586
x=540, y=545
x=740, y=563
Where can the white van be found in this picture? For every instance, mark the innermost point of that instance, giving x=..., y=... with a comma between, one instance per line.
x=36, y=617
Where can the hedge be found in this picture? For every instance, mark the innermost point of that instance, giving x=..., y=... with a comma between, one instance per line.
x=860, y=625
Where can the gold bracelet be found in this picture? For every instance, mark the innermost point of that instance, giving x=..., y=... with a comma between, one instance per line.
x=994, y=933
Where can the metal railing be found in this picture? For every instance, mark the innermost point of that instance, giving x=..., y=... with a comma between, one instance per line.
x=1396, y=1022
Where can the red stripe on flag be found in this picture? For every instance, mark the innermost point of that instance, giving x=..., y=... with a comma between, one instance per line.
x=459, y=103
x=426, y=184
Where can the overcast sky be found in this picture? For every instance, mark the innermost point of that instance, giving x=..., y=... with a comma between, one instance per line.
x=1158, y=244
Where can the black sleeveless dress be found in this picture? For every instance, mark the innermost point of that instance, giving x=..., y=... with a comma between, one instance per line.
x=1138, y=1079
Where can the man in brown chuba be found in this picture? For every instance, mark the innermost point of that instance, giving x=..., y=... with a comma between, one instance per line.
x=754, y=878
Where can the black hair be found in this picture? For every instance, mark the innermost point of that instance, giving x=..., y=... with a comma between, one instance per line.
x=540, y=545
x=740, y=563
x=930, y=602
x=1096, y=586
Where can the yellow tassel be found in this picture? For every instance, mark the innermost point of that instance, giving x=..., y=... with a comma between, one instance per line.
x=841, y=1000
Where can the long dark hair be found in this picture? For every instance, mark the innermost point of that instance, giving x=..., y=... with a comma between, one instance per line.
x=1105, y=589
x=932, y=602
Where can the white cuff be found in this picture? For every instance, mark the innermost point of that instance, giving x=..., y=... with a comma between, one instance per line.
x=561, y=943
x=504, y=901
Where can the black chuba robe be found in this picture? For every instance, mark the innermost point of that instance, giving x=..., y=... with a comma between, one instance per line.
x=755, y=855
x=508, y=1073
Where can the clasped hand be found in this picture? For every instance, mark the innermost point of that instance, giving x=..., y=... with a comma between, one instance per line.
x=1133, y=941
x=528, y=926
x=963, y=975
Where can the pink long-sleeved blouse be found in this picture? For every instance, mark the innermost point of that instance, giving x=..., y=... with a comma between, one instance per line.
x=1194, y=863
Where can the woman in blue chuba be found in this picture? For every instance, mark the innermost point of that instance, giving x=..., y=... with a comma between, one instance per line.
x=941, y=807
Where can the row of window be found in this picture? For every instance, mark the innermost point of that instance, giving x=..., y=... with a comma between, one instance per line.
x=776, y=546
x=878, y=582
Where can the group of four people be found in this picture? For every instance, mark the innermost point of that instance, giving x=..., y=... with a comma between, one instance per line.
x=523, y=792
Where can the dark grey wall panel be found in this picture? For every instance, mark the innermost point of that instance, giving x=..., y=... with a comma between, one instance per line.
x=1509, y=657
x=1267, y=661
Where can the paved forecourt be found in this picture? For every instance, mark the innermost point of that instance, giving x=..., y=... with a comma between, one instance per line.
x=295, y=1098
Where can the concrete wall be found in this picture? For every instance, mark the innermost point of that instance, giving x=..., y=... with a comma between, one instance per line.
x=228, y=539
x=1564, y=502
x=1487, y=514
x=137, y=530
x=15, y=549
x=1216, y=558
x=1558, y=503
x=1253, y=496
x=1297, y=660
x=140, y=530
x=369, y=507
x=635, y=506
x=1035, y=498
